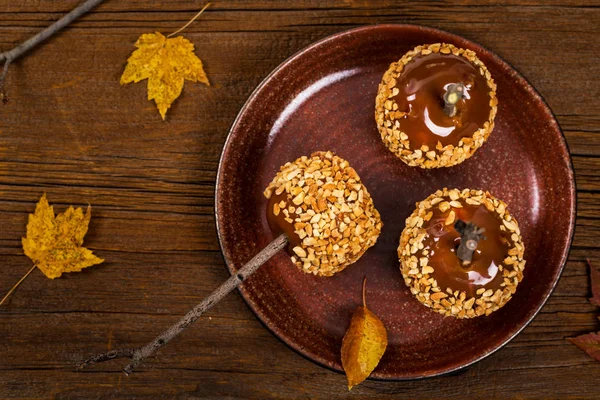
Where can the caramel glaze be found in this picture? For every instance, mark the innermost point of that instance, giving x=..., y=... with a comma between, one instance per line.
x=422, y=85
x=278, y=224
x=443, y=240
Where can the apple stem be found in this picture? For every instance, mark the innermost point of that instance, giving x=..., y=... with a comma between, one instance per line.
x=454, y=93
x=470, y=235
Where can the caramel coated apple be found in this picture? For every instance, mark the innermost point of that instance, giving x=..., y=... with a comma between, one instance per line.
x=328, y=215
x=434, y=272
x=436, y=106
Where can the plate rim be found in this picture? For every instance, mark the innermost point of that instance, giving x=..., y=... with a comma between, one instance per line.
x=570, y=169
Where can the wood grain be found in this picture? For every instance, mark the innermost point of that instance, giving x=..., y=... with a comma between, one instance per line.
x=71, y=131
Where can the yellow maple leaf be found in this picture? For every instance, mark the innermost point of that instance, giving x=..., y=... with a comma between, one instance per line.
x=166, y=63
x=54, y=244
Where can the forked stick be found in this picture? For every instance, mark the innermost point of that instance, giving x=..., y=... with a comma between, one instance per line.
x=9, y=56
x=137, y=354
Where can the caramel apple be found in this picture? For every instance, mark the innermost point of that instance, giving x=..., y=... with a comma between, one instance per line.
x=461, y=253
x=436, y=106
x=326, y=212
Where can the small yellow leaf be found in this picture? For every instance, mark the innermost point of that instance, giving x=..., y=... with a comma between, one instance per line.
x=166, y=63
x=363, y=346
x=54, y=243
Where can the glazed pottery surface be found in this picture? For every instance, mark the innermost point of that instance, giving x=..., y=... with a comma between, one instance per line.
x=323, y=99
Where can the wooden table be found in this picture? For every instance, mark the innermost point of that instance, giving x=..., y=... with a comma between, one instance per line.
x=72, y=131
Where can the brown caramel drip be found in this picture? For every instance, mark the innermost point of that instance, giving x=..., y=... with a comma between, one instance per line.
x=421, y=96
x=278, y=224
x=443, y=240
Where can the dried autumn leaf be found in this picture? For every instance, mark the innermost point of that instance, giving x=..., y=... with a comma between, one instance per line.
x=363, y=346
x=166, y=63
x=595, y=283
x=590, y=343
x=54, y=243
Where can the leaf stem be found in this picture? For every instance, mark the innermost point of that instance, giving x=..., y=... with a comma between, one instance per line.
x=16, y=285
x=364, y=291
x=189, y=23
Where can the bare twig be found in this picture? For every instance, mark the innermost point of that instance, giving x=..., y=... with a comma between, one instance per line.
x=138, y=354
x=111, y=355
x=11, y=55
x=2, y=80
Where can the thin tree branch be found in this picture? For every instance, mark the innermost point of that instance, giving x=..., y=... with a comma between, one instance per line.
x=111, y=355
x=3, y=97
x=11, y=55
x=137, y=355
x=49, y=31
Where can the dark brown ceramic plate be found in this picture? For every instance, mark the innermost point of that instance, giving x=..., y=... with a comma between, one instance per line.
x=323, y=99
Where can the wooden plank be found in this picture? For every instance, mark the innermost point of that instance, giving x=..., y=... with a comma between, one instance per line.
x=65, y=133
